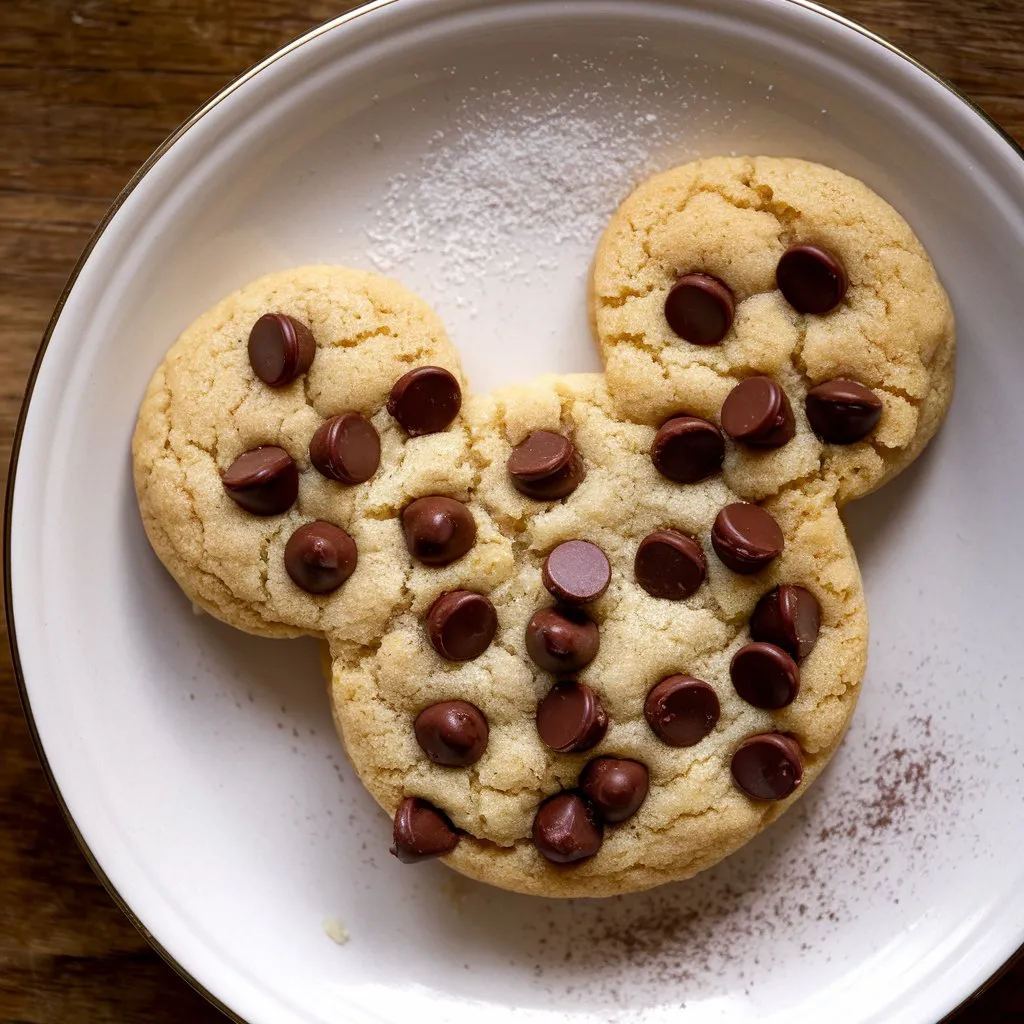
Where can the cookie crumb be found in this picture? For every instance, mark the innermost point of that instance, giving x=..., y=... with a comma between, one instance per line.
x=335, y=930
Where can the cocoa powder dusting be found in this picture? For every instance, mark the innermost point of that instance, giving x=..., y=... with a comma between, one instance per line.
x=888, y=796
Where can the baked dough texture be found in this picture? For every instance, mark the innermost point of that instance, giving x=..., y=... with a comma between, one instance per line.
x=732, y=218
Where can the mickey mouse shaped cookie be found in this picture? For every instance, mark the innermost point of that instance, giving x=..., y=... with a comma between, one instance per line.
x=593, y=633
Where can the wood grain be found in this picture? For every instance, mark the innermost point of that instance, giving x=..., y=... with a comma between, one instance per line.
x=89, y=88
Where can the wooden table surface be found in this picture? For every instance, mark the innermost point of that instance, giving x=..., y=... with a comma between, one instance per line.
x=89, y=88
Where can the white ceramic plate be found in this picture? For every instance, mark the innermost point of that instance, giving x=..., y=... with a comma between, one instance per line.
x=474, y=149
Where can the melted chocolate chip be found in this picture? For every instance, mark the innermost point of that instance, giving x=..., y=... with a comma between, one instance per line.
x=700, y=309
x=438, y=530
x=562, y=640
x=453, y=733
x=425, y=400
x=688, y=449
x=567, y=829
x=842, y=411
x=570, y=718
x=670, y=565
x=346, y=448
x=768, y=766
x=765, y=676
x=546, y=466
x=811, y=279
x=319, y=557
x=682, y=710
x=461, y=625
x=615, y=786
x=757, y=412
x=264, y=481
x=280, y=349
x=421, y=832
x=788, y=617
x=746, y=538
x=576, y=572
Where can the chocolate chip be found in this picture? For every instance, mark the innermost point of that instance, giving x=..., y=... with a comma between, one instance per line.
x=768, y=766
x=562, y=640
x=280, y=349
x=319, y=557
x=546, y=466
x=421, y=832
x=576, y=572
x=264, y=481
x=425, y=400
x=570, y=718
x=788, y=617
x=842, y=411
x=688, y=449
x=346, y=448
x=438, y=530
x=461, y=625
x=615, y=786
x=567, y=829
x=682, y=710
x=757, y=412
x=746, y=538
x=811, y=279
x=452, y=733
x=670, y=565
x=765, y=675
x=700, y=309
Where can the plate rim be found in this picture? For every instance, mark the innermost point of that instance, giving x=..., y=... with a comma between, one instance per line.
x=368, y=8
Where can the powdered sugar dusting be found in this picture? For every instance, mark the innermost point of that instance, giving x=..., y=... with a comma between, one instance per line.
x=526, y=170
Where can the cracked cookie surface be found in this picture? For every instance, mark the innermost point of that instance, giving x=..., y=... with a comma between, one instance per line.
x=205, y=407
x=693, y=815
x=733, y=218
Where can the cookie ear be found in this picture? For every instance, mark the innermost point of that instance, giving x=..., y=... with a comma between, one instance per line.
x=732, y=268
x=308, y=353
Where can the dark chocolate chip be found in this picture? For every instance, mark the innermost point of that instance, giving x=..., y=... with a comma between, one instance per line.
x=438, y=530
x=788, y=617
x=688, y=449
x=615, y=786
x=421, y=832
x=319, y=557
x=461, y=625
x=768, y=766
x=576, y=572
x=562, y=640
x=346, y=448
x=757, y=412
x=811, y=279
x=570, y=718
x=280, y=349
x=682, y=710
x=453, y=733
x=765, y=675
x=264, y=481
x=546, y=466
x=700, y=309
x=670, y=565
x=425, y=400
x=842, y=411
x=567, y=829
x=746, y=538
